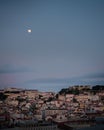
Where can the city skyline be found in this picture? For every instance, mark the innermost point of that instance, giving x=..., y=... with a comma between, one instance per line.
x=64, y=47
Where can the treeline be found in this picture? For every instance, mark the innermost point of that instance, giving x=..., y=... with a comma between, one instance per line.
x=80, y=89
x=98, y=87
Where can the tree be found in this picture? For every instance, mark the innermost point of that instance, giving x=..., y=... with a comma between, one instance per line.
x=75, y=100
x=33, y=108
x=50, y=99
x=3, y=97
x=20, y=99
x=98, y=87
x=57, y=95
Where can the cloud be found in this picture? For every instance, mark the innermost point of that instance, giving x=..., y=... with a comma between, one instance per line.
x=8, y=68
x=81, y=79
x=94, y=76
x=56, y=84
x=91, y=79
x=49, y=80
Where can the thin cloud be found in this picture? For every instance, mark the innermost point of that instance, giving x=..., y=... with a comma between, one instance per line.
x=90, y=79
x=94, y=76
x=65, y=81
x=13, y=69
x=49, y=80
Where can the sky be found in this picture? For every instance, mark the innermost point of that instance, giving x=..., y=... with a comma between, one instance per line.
x=65, y=46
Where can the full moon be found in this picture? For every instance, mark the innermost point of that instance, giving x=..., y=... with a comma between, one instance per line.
x=29, y=30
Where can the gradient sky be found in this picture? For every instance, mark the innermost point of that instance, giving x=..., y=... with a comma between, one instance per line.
x=66, y=46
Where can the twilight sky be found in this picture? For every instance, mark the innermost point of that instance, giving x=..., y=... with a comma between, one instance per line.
x=65, y=47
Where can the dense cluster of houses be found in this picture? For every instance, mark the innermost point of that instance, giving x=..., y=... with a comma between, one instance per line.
x=22, y=105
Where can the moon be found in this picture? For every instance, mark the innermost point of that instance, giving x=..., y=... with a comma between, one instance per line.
x=29, y=30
